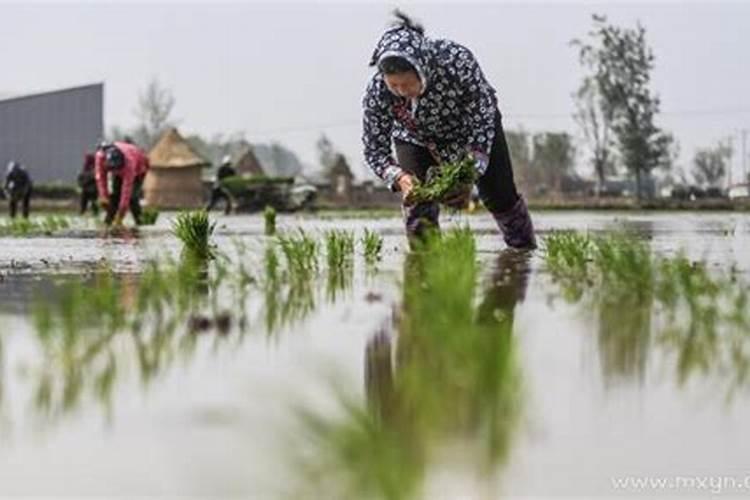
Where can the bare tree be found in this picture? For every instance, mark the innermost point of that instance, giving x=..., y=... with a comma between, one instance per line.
x=710, y=165
x=554, y=158
x=594, y=118
x=327, y=154
x=155, y=105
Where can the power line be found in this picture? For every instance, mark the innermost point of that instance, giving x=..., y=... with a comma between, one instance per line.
x=511, y=116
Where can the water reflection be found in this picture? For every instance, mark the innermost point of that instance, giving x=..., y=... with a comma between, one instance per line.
x=442, y=373
x=654, y=308
x=91, y=331
x=624, y=333
x=96, y=329
x=2, y=376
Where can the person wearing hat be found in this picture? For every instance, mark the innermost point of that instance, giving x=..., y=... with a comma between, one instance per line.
x=128, y=165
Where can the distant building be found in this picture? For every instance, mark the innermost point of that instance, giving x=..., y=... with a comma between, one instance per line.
x=340, y=178
x=739, y=191
x=49, y=133
x=174, y=180
x=248, y=164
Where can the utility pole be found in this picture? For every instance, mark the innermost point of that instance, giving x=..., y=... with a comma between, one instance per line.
x=744, y=155
x=730, y=140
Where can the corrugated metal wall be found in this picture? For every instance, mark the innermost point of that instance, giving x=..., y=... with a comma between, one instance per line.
x=50, y=133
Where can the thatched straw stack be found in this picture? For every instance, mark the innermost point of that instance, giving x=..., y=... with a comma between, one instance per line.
x=174, y=180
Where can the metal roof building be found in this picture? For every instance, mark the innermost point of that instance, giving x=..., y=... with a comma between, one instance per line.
x=49, y=133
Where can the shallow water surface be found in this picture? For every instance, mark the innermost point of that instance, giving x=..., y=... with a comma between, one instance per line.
x=541, y=396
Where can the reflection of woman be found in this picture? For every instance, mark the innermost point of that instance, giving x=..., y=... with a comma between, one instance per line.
x=431, y=98
x=455, y=381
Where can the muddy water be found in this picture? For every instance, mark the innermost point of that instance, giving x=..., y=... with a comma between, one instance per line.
x=218, y=416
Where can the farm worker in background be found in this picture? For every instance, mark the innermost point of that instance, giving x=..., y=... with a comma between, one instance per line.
x=18, y=187
x=87, y=183
x=219, y=191
x=431, y=98
x=128, y=165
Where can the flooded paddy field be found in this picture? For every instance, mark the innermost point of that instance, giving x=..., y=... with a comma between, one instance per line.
x=334, y=362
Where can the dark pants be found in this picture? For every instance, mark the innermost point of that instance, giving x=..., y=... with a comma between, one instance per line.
x=24, y=197
x=89, y=197
x=219, y=193
x=496, y=186
x=135, y=199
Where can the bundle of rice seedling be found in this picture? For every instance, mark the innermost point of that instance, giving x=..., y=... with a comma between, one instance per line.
x=443, y=182
x=149, y=215
x=194, y=229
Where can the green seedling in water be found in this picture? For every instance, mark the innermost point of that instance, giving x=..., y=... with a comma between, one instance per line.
x=339, y=249
x=641, y=299
x=289, y=293
x=301, y=254
x=269, y=217
x=194, y=229
x=372, y=244
x=78, y=330
x=340, y=260
x=443, y=182
x=457, y=380
x=149, y=215
x=35, y=226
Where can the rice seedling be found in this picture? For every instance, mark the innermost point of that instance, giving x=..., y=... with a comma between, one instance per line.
x=567, y=252
x=34, y=226
x=78, y=329
x=301, y=254
x=457, y=378
x=340, y=259
x=372, y=245
x=444, y=181
x=641, y=298
x=269, y=218
x=271, y=286
x=194, y=229
x=339, y=248
x=149, y=216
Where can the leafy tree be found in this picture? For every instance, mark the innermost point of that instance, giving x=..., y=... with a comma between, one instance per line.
x=621, y=62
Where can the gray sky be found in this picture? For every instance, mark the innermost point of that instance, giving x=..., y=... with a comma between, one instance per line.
x=290, y=71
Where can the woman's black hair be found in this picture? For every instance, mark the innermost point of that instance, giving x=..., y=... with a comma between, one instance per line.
x=393, y=65
x=407, y=22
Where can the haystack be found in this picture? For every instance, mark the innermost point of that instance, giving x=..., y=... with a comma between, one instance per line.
x=174, y=180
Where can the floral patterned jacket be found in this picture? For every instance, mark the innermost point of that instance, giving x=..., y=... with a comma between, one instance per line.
x=454, y=115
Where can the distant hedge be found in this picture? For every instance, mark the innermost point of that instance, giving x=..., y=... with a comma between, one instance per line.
x=237, y=185
x=55, y=191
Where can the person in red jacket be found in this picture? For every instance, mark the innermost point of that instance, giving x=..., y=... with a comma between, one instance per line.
x=128, y=165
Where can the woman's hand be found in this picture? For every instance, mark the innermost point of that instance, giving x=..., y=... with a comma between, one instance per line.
x=405, y=184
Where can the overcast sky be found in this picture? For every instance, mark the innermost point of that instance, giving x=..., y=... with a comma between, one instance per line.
x=291, y=71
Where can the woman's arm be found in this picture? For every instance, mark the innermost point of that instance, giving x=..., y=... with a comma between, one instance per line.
x=377, y=125
x=480, y=105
